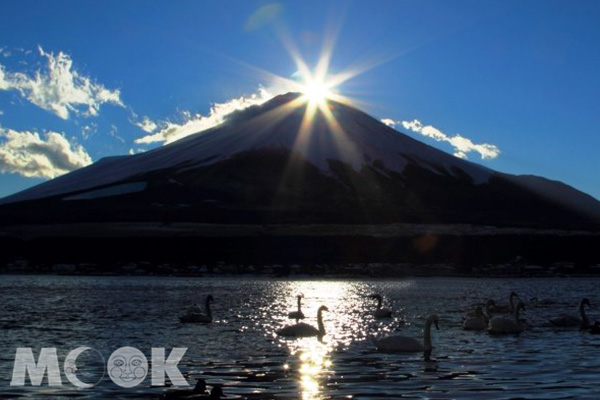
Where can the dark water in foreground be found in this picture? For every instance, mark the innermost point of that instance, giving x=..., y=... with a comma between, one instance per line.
x=240, y=350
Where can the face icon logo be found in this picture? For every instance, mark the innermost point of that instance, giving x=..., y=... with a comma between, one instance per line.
x=71, y=369
x=127, y=367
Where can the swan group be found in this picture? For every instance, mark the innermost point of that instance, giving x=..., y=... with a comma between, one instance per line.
x=485, y=316
x=476, y=320
x=498, y=324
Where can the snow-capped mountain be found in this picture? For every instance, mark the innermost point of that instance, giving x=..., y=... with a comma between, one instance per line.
x=262, y=166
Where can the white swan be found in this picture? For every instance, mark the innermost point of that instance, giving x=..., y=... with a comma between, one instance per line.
x=305, y=330
x=477, y=323
x=503, y=325
x=196, y=315
x=380, y=312
x=510, y=308
x=489, y=311
x=565, y=320
x=297, y=314
x=405, y=344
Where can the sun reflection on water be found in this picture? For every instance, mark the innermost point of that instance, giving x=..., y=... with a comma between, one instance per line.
x=311, y=356
x=348, y=323
x=314, y=364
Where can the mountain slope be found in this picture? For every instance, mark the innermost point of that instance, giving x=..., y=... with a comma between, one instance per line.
x=257, y=168
x=262, y=127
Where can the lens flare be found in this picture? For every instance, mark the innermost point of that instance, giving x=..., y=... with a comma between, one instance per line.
x=316, y=91
x=320, y=97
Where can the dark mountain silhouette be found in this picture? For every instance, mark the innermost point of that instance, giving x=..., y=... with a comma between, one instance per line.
x=257, y=168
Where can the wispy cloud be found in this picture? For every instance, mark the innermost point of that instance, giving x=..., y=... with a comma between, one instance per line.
x=133, y=151
x=147, y=125
x=461, y=144
x=59, y=88
x=88, y=131
x=30, y=155
x=4, y=52
x=114, y=132
x=194, y=123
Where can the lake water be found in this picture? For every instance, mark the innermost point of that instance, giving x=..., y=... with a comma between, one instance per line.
x=240, y=350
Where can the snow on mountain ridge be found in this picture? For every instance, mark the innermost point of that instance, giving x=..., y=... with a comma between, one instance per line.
x=364, y=141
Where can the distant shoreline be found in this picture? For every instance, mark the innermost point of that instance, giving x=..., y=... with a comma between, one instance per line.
x=376, y=271
x=191, y=249
x=183, y=229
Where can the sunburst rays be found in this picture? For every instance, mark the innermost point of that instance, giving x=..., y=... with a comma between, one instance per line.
x=319, y=95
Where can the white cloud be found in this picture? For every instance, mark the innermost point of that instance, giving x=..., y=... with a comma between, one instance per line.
x=464, y=145
x=59, y=88
x=461, y=144
x=389, y=122
x=30, y=155
x=147, y=125
x=4, y=84
x=171, y=132
x=1, y=112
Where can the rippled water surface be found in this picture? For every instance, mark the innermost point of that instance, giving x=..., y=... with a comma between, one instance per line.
x=241, y=351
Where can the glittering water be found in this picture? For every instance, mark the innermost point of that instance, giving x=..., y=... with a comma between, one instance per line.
x=240, y=350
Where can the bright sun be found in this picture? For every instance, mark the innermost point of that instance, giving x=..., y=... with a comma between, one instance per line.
x=316, y=91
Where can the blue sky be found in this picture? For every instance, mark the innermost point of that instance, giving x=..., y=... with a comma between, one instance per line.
x=78, y=79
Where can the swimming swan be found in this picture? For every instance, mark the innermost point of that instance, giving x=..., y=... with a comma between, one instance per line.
x=305, y=330
x=380, y=312
x=503, y=325
x=510, y=308
x=297, y=314
x=477, y=323
x=565, y=320
x=196, y=315
x=405, y=344
x=489, y=311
